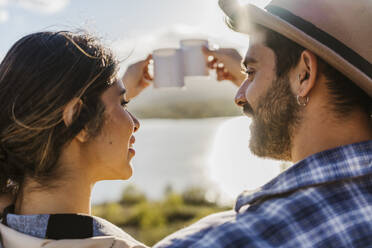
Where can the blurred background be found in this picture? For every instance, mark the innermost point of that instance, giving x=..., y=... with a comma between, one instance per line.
x=192, y=155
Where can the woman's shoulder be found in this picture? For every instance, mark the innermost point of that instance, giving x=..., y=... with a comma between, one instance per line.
x=14, y=239
x=102, y=227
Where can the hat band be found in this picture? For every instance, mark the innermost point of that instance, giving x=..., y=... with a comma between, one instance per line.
x=324, y=38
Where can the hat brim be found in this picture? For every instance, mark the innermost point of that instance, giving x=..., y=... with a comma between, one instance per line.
x=240, y=17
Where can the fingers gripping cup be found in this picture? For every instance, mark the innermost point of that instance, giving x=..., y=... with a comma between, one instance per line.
x=193, y=57
x=168, y=68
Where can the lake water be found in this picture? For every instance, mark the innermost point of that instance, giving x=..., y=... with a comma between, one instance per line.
x=211, y=153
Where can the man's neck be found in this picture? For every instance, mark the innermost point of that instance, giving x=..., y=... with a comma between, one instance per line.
x=326, y=132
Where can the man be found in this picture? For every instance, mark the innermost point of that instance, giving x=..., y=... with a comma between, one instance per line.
x=308, y=90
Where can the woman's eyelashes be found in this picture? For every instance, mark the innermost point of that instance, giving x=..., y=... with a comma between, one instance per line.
x=124, y=103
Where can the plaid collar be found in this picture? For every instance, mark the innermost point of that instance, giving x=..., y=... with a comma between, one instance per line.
x=341, y=163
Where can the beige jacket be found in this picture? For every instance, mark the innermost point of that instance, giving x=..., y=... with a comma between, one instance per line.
x=14, y=239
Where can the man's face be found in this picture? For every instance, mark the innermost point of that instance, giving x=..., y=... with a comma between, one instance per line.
x=269, y=101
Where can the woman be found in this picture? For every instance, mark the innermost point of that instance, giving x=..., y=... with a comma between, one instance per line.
x=63, y=127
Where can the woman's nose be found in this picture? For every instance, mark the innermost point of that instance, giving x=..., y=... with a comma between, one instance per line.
x=136, y=122
x=240, y=98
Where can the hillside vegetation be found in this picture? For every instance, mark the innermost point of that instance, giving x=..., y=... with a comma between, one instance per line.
x=149, y=221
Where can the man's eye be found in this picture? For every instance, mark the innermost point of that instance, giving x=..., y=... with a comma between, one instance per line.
x=248, y=71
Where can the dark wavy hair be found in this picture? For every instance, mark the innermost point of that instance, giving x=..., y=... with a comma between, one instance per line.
x=40, y=74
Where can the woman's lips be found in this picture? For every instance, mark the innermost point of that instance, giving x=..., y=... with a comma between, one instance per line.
x=132, y=151
x=132, y=140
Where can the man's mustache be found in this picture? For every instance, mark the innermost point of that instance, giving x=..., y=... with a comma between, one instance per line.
x=248, y=110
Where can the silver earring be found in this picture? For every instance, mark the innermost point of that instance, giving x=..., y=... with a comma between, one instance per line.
x=302, y=101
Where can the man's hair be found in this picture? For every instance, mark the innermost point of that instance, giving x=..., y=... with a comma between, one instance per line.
x=345, y=94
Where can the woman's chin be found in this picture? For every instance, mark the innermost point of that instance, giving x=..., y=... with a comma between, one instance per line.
x=119, y=174
x=128, y=174
x=127, y=171
x=131, y=153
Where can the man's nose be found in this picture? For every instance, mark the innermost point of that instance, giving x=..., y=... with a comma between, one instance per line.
x=240, y=98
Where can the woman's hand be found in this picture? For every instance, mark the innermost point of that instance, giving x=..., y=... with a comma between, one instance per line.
x=227, y=63
x=137, y=78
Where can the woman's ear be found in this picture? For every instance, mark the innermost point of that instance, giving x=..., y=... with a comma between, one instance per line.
x=308, y=73
x=71, y=109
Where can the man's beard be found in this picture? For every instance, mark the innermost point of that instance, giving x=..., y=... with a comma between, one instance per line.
x=274, y=121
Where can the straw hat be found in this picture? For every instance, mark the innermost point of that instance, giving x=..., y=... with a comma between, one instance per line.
x=338, y=31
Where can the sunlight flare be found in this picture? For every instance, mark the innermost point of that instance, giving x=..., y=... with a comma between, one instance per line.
x=231, y=164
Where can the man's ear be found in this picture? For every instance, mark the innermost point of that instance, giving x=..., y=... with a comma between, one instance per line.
x=307, y=73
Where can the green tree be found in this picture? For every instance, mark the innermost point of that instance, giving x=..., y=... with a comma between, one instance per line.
x=195, y=196
x=132, y=196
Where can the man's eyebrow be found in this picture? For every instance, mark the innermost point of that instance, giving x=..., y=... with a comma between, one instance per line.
x=248, y=60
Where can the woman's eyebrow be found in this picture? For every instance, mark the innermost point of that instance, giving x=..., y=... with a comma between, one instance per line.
x=122, y=92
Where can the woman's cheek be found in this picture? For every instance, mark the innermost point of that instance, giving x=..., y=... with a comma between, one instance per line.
x=125, y=121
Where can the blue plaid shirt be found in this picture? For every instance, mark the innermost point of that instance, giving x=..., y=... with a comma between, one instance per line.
x=323, y=201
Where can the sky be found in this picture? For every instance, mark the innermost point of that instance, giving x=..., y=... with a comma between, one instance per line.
x=136, y=28
x=129, y=27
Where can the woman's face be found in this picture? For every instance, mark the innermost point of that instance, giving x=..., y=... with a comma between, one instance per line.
x=111, y=151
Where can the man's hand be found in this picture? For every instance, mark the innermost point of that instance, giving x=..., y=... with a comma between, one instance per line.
x=227, y=63
x=137, y=78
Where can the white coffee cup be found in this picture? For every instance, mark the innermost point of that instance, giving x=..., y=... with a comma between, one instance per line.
x=193, y=57
x=168, y=68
